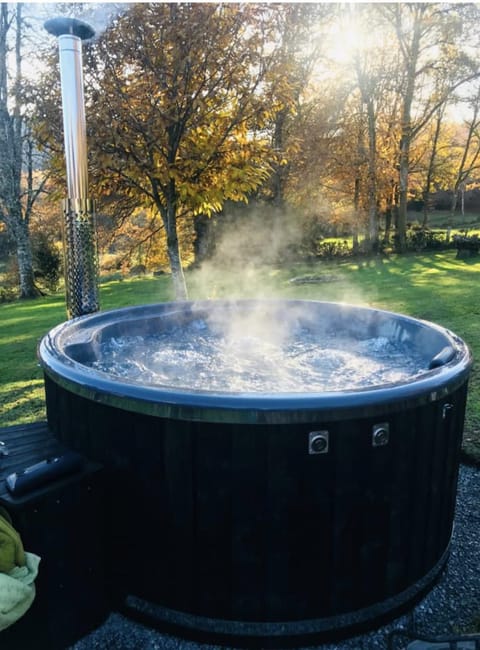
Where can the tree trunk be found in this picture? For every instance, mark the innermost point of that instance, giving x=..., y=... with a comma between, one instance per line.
x=372, y=177
x=169, y=215
x=451, y=216
x=356, y=204
x=366, y=85
x=426, y=207
x=412, y=57
x=178, y=278
x=278, y=176
x=389, y=212
x=401, y=226
x=204, y=244
x=24, y=258
x=431, y=165
x=13, y=214
x=388, y=224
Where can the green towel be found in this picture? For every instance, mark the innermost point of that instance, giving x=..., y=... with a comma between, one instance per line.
x=11, y=547
x=18, y=571
x=17, y=590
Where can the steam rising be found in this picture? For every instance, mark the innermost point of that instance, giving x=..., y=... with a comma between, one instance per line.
x=97, y=15
x=258, y=347
x=246, y=246
x=256, y=255
x=101, y=16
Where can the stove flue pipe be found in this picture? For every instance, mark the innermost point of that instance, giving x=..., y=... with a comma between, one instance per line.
x=80, y=247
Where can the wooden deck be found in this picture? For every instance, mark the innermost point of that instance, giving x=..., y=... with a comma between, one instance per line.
x=63, y=522
x=22, y=446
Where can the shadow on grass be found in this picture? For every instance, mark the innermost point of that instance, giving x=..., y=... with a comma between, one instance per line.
x=22, y=404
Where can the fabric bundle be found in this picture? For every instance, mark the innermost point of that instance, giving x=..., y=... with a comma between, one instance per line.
x=18, y=570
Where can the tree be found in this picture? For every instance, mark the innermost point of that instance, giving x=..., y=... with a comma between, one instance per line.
x=18, y=191
x=432, y=162
x=320, y=168
x=377, y=79
x=180, y=96
x=360, y=154
x=469, y=161
x=428, y=37
x=296, y=55
x=193, y=105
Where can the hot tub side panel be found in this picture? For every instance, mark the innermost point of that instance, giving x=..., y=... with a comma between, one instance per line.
x=240, y=522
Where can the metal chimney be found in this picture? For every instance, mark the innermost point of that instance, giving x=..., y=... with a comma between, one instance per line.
x=79, y=241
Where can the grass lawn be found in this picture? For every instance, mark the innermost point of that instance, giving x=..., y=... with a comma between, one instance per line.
x=441, y=219
x=434, y=286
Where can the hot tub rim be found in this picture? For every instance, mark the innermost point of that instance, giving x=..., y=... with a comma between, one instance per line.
x=212, y=406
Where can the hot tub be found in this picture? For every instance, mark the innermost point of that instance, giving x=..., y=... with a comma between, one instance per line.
x=268, y=514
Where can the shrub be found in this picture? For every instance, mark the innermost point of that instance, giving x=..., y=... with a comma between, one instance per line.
x=46, y=261
x=8, y=294
x=467, y=246
x=419, y=239
x=332, y=249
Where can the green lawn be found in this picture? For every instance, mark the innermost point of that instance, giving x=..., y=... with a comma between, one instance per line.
x=441, y=219
x=435, y=287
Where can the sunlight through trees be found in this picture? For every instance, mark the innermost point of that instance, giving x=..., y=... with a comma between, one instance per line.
x=335, y=115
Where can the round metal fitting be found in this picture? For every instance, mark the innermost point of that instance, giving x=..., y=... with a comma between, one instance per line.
x=381, y=435
x=318, y=442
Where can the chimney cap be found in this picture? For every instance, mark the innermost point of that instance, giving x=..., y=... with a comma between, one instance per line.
x=73, y=26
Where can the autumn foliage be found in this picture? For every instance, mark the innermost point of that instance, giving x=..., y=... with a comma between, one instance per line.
x=337, y=116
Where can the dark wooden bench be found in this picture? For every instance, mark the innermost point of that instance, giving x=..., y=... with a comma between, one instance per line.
x=62, y=522
x=467, y=246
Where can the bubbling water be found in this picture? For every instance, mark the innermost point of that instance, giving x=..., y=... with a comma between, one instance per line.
x=199, y=356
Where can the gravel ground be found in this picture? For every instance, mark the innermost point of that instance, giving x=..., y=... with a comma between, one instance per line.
x=452, y=607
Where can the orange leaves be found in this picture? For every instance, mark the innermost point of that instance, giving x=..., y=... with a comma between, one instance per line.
x=181, y=105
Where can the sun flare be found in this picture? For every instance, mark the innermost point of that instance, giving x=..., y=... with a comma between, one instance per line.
x=344, y=43
x=346, y=40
